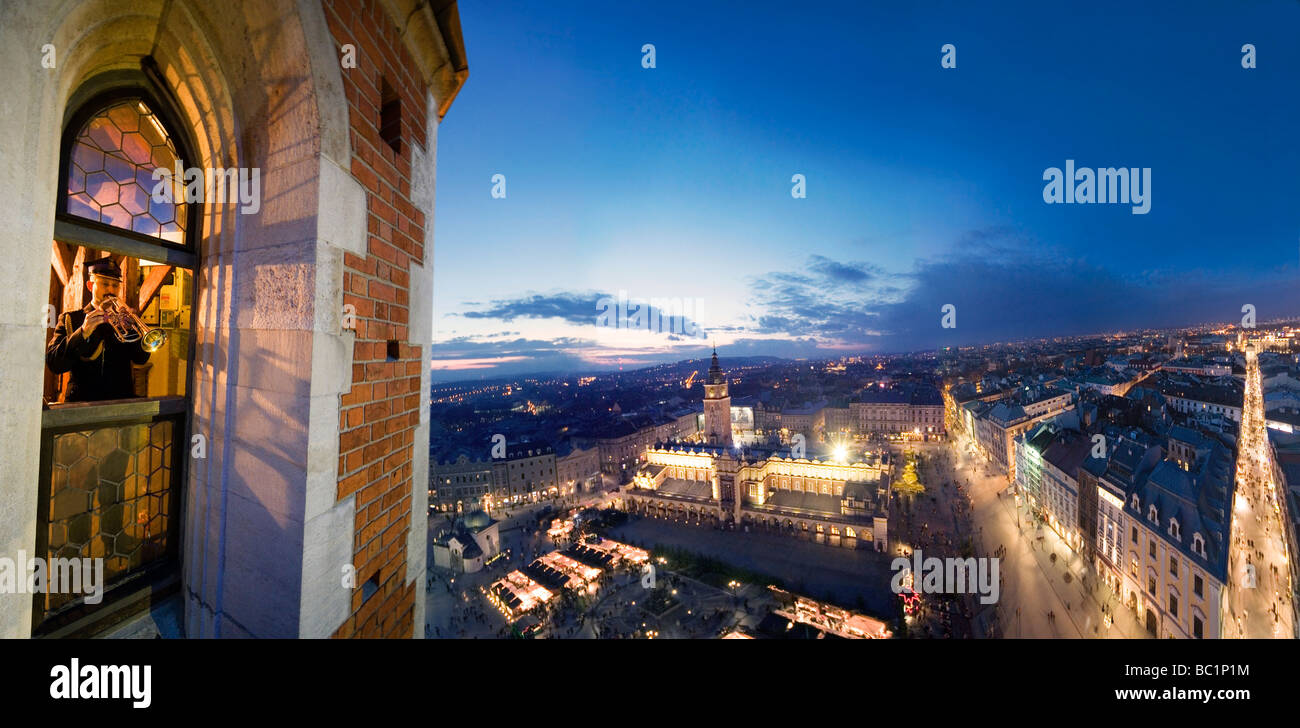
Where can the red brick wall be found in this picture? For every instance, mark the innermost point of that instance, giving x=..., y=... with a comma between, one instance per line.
x=378, y=416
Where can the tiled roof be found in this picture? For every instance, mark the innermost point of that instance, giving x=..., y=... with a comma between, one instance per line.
x=1199, y=499
x=683, y=488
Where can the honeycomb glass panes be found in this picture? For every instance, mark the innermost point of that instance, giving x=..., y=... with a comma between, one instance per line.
x=110, y=173
x=111, y=498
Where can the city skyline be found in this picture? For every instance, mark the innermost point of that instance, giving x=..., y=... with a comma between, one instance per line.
x=701, y=354
x=842, y=321
x=940, y=200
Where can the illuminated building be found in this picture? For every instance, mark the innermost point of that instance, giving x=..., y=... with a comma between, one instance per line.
x=560, y=528
x=1197, y=366
x=557, y=571
x=577, y=469
x=1219, y=398
x=522, y=476
x=516, y=594
x=717, y=407
x=1129, y=459
x=461, y=485
x=468, y=544
x=899, y=410
x=619, y=552
x=1048, y=460
x=828, y=619
x=834, y=503
x=998, y=426
x=1164, y=529
x=1284, y=460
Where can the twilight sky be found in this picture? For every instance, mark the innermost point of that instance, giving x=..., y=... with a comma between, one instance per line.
x=924, y=184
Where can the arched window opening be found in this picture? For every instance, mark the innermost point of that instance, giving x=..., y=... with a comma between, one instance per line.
x=119, y=352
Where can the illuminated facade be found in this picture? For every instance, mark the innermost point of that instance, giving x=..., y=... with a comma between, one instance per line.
x=517, y=594
x=557, y=571
x=468, y=545
x=523, y=476
x=828, y=618
x=1163, y=531
x=998, y=426
x=839, y=504
x=717, y=407
x=900, y=410
x=578, y=470
x=1047, y=468
x=1284, y=464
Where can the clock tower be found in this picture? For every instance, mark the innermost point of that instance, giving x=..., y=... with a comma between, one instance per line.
x=717, y=406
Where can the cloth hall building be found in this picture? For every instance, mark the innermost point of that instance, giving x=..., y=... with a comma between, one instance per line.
x=709, y=482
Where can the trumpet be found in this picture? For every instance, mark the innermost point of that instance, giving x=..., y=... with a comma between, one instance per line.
x=129, y=328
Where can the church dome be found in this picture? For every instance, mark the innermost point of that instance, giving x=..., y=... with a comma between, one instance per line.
x=477, y=521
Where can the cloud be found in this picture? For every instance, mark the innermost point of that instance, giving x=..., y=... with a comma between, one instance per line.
x=827, y=302
x=838, y=273
x=466, y=357
x=1021, y=297
x=1006, y=287
x=597, y=309
x=576, y=308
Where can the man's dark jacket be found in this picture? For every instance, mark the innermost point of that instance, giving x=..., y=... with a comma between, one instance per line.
x=100, y=364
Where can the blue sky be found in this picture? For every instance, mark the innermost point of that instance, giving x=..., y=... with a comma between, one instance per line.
x=924, y=184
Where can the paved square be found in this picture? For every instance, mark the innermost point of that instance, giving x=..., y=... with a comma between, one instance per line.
x=841, y=576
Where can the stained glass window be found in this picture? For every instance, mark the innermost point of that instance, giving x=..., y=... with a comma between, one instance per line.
x=110, y=174
x=111, y=498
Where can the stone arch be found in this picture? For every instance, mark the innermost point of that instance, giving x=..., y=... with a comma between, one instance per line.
x=256, y=85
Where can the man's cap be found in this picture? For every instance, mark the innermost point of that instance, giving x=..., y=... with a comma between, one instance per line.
x=106, y=267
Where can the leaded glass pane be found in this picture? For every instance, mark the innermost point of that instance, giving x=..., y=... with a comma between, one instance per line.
x=110, y=174
x=110, y=498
